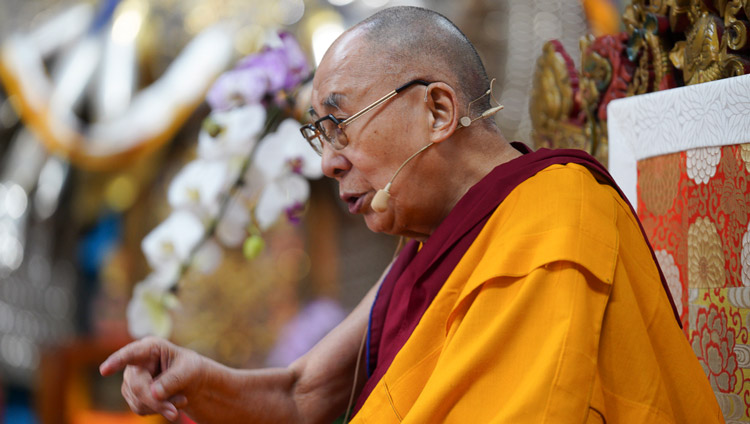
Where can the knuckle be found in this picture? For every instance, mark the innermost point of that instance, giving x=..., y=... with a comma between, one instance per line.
x=138, y=391
x=128, y=373
x=152, y=341
x=148, y=340
x=141, y=409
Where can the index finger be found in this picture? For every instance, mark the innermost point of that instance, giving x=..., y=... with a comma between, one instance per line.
x=140, y=352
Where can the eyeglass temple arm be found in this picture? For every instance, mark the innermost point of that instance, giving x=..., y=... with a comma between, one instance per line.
x=367, y=109
x=381, y=100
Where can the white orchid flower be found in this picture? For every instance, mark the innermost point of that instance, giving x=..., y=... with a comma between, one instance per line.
x=286, y=193
x=169, y=244
x=281, y=161
x=208, y=257
x=200, y=186
x=235, y=132
x=149, y=310
x=231, y=229
x=286, y=151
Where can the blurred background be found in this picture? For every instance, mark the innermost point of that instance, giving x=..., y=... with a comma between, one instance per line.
x=101, y=103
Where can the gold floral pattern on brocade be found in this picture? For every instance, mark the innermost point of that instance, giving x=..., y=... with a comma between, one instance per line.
x=733, y=189
x=745, y=153
x=732, y=406
x=727, y=206
x=659, y=180
x=746, y=257
x=705, y=255
x=718, y=332
x=713, y=343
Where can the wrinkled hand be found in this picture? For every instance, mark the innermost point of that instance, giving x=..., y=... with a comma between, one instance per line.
x=159, y=377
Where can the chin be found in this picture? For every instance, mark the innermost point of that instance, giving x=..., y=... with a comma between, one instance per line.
x=380, y=222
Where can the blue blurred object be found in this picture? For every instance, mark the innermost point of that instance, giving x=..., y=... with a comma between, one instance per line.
x=18, y=410
x=98, y=243
x=19, y=414
x=103, y=15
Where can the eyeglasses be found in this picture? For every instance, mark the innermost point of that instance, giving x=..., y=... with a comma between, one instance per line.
x=330, y=128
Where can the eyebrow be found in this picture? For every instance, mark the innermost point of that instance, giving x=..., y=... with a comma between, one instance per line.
x=333, y=101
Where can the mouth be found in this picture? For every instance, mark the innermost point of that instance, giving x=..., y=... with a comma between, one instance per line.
x=355, y=201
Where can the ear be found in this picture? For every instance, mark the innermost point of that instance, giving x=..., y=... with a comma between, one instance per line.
x=442, y=103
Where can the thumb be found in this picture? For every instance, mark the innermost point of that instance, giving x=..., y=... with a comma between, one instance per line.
x=169, y=383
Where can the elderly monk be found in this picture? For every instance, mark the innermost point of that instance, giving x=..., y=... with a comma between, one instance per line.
x=527, y=293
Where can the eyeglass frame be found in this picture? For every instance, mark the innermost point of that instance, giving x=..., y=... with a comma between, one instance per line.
x=316, y=131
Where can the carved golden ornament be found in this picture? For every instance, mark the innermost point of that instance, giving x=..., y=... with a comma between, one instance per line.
x=647, y=47
x=656, y=6
x=552, y=93
x=641, y=77
x=553, y=102
x=705, y=255
x=596, y=69
x=736, y=28
x=630, y=17
x=704, y=40
x=699, y=56
x=697, y=9
x=659, y=58
x=596, y=76
x=736, y=35
x=734, y=65
x=719, y=5
x=679, y=15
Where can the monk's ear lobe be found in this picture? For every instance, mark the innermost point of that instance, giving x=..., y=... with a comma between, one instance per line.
x=442, y=103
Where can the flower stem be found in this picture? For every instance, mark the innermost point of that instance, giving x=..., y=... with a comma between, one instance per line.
x=272, y=122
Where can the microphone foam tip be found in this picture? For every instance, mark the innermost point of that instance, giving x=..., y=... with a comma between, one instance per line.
x=380, y=201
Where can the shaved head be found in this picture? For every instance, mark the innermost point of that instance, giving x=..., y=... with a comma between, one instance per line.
x=383, y=52
x=413, y=39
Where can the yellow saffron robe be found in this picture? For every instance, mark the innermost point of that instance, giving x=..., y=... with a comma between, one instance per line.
x=555, y=314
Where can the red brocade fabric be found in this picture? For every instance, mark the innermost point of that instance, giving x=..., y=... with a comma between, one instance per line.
x=418, y=274
x=695, y=209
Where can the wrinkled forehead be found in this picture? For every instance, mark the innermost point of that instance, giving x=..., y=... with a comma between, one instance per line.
x=348, y=72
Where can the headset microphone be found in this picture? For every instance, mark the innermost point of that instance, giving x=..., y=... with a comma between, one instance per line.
x=380, y=201
x=465, y=121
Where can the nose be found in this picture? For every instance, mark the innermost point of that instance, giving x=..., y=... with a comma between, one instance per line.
x=334, y=164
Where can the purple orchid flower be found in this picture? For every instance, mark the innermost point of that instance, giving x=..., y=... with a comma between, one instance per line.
x=261, y=74
x=294, y=212
x=300, y=334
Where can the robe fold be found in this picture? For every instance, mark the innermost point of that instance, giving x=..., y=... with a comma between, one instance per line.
x=538, y=299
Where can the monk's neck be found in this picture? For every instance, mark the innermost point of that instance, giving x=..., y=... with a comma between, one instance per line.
x=466, y=168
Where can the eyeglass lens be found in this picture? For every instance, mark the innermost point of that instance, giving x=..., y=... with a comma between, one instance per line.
x=313, y=137
x=330, y=130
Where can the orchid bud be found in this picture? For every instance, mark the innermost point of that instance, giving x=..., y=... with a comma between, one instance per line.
x=253, y=246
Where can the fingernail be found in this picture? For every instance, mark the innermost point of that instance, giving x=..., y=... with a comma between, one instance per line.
x=171, y=413
x=179, y=401
x=157, y=389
